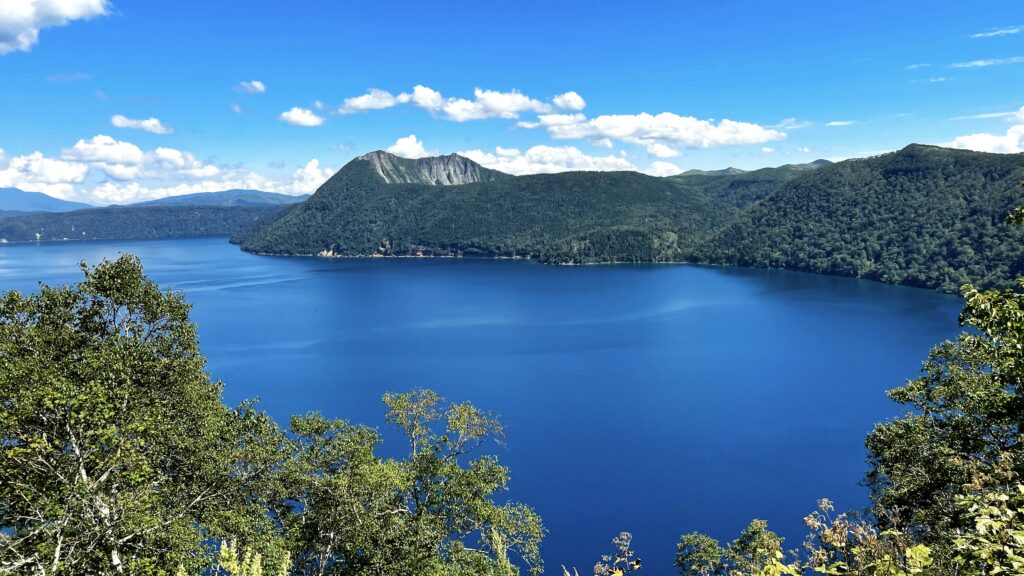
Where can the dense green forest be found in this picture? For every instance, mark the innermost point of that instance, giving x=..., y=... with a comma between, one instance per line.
x=119, y=457
x=923, y=216
x=119, y=222
x=574, y=217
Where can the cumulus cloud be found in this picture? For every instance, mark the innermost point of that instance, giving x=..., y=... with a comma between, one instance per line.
x=408, y=147
x=102, y=170
x=484, y=104
x=373, y=100
x=998, y=32
x=662, y=168
x=151, y=125
x=37, y=173
x=103, y=148
x=570, y=101
x=1010, y=142
x=21, y=21
x=301, y=117
x=659, y=134
x=545, y=160
x=989, y=62
x=252, y=87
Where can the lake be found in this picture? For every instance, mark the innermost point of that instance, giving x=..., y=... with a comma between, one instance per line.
x=654, y=399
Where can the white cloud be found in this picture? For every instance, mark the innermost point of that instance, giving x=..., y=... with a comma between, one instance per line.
x=998, y=32
x=253, y=87
x=570, y=101
x=103, y=148
x=916, y=66
x=373, y=100
x=37, y=173
x=988, y=62
x=492, y=104
x=835, y=123
x=408, y=147
x=234, y=107
x=767, y=149
x=658, y=133
x=792, y=124
x=301, y=117
x=427, y=98
x=545, y=159
x=152, y=125
x=1009, y=143
x=21, y=20
x=102, y=170
x=484, y=104
x=804, y=150
x=1012, y=115
x=662, y=168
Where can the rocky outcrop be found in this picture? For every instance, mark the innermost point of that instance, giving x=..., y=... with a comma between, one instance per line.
x=436, y=170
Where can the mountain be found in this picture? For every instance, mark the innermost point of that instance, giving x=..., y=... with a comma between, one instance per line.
x=18, y=200
x=923, y=216
x=226, y=198
x=379, y=204
x=123, y=222
x=435, y=170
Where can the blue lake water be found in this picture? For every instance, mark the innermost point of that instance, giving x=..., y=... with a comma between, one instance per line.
x=654, y=399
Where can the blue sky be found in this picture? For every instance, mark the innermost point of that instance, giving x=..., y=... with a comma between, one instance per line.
x=654, y=86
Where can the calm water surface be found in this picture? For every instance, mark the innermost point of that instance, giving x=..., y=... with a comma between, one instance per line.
x=654, y=399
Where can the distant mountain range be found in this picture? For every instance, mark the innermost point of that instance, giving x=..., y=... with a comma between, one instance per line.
x=43, y=218
x=226, y=198
x=18, y=201
x=922, y=216
x=133, y=222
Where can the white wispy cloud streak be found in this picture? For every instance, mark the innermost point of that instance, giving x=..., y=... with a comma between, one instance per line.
x=989, y=62
x=252, y=87
x=1007, y=31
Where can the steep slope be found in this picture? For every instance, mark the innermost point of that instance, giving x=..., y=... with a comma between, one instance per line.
x=437, y=170
x=21, y=201
x=922, y=216
x=123, y=222
x=226, y=198
x=739, y=188
x=568, y=217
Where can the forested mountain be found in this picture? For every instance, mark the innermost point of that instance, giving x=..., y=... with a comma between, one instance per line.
x=13, y=199
x=922, y=216
x=226, y=198
x=572, y=217
x=122, y=222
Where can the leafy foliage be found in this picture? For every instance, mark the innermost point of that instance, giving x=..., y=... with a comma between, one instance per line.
x=118, y=455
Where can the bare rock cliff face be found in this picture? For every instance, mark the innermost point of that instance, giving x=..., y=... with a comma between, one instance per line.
x=436, y=170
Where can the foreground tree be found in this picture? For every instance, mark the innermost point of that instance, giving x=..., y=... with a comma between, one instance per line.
x=346, y=511
x=118, y=455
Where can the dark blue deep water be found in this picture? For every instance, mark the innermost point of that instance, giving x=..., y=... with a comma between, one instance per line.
x=654, y=399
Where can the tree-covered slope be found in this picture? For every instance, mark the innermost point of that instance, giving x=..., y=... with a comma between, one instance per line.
x=571, y=217
x=922, y=216
x=227, y=198
x=119, y=222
